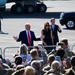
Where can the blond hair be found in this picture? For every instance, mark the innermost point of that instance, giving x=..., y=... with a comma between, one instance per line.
x=29, y=70
x=23, y=49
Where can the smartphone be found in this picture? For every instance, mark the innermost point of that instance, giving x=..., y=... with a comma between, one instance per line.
x=57, y=58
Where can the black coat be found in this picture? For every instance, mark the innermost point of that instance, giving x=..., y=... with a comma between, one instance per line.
x=55, y=33
x=24, y=40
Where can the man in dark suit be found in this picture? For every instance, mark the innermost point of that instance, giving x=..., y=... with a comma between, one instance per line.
x=27, y=36
x=55, y=30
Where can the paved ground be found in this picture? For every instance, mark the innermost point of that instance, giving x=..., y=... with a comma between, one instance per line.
x=14, y=25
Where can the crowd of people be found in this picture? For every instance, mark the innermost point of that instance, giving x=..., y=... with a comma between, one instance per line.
x=38, y=60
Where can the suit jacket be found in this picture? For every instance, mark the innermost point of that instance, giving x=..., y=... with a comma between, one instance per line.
x=24, y=40
x=55, y=33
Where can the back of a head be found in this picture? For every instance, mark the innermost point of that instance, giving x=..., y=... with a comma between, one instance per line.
x=36, y=64
x=65, y=41
x=33, y=52
x=55, y=65
x=19, y=72
x=38, y=51
x=23, y=49
x=51, y=57
x=29, y=70
x=73, y=60
x=18, y=60
x=60, y=52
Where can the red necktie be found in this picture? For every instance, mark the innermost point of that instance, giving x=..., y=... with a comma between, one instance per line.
x=29, y=39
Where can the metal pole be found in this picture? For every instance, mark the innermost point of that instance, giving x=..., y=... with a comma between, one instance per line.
x=0, y=24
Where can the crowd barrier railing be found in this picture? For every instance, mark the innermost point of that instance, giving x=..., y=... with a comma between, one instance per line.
x=9, y=52
x=73, y=48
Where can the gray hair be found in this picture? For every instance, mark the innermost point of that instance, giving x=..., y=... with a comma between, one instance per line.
x=23, y=49
x=55, y=65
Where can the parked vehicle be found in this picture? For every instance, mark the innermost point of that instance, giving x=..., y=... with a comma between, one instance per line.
x=29, y=6
x=68, y=19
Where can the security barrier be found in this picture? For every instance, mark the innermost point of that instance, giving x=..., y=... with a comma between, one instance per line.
x=73, y=48
x=9, y=52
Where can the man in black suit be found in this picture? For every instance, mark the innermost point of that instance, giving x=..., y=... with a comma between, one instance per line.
x=55, y=30
x=27, y=36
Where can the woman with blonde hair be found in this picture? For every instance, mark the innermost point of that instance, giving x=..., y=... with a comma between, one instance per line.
x=23, y=53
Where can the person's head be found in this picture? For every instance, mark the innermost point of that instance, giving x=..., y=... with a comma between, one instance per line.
x=60, y=52
x=51, y=58
x=23, y=49
x=55, y=66
x=36, y=64
x=9, y=71
x=41, y=48
x=65, y=43
x=29, y=71
x=36, y=47
x=72, y=61
x=33, y=53
x=52, y=21
x=27, y=26
x=46, y=25
x=19, y=72
x=38, y=51
x=18, y=60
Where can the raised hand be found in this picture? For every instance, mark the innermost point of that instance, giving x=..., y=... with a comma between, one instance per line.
x=15, y=37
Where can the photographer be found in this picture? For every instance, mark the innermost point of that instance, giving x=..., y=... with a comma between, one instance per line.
x=64, y=44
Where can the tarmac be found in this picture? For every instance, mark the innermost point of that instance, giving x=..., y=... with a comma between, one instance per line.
x=11, y=26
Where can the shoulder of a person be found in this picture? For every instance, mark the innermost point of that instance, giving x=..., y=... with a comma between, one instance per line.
x=68, y=70
x=56, y=25
x=23, y=31
x=18, y=72
x=51, y=73
x=28, y=55
x=47, y=67
x=6, y=66
x=21, y=55
x=31, y=31
x=43, y=29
